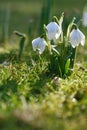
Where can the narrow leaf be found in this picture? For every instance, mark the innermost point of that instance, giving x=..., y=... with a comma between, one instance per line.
x=67, y=66
x=56, y=51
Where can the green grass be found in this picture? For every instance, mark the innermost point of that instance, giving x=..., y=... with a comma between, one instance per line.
x=29, y=102
x=30, y=98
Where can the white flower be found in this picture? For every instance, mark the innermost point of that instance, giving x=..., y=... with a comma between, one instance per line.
x=53, y=31
x=76, y=37
x=39, y=44
x=84, y=19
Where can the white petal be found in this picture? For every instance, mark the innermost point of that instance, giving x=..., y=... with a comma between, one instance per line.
x=57, y=35
x=53, y=30
x=51, y=35
x=35, y=43
x=82, y=37
x=73, y=46
x=74, y=38
x=39, y=44
x=83, y=42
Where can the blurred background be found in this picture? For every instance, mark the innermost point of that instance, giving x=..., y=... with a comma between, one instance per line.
x=21, y=12
x=28, y=16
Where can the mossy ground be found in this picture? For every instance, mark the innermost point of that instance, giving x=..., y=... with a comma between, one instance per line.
x=30, y=98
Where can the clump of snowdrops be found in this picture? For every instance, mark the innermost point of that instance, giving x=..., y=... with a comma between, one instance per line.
x=61, y=49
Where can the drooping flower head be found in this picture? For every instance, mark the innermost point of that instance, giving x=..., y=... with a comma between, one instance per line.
x=77, y=37
x=39, y=44
x=53, y=31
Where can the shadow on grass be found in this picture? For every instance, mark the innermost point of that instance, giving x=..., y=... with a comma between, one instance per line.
x=12, y=123
x=8, y=88
x=8, y=56
x=38, y=85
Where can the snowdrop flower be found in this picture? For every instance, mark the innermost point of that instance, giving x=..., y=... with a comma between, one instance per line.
x=84, y=19
x=53, y=31
x=39, y=44
x=76, y=37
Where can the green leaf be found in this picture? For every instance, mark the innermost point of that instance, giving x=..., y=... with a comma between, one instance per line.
x=56, y=51
x=67, y=66
x=21, y=44
x=70, y=27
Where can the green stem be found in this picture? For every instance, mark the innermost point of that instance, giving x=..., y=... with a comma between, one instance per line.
x=21, y=44
x=21, y=47
x=73, y=57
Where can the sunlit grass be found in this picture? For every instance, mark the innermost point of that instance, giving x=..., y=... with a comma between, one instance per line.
x=39, y=103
